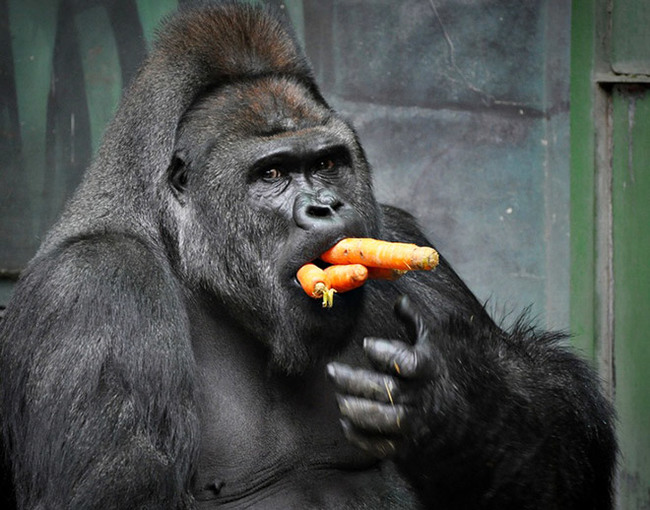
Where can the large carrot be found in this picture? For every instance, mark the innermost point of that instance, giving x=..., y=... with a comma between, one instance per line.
x=383, y=254
x=343, y=278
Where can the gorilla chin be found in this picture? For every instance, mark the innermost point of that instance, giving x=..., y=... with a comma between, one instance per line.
x=308, y=334
x=298, y=331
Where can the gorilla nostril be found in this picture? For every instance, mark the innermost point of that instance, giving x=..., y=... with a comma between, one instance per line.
x=319, y=211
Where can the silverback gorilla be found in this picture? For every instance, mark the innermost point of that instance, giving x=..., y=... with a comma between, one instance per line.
x=158, y=352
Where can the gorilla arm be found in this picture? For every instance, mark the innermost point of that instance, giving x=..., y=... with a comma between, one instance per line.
x=474, y=416
x=98, y=353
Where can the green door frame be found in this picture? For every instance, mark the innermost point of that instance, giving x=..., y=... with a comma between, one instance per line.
x=610, y=218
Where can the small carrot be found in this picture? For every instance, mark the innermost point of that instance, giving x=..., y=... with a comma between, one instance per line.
x=343, y=278
x=384, y=254
x=313, y=280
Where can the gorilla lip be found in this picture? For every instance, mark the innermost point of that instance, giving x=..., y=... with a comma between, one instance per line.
x=322, y=248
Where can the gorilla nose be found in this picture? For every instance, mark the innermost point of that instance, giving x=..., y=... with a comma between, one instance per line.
x=325, y=204
x=312, y=210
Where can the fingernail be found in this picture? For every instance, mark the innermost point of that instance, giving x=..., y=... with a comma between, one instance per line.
x=369, y=341
x=342, y=403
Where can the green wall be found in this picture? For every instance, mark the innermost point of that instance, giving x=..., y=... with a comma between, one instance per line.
x=63, y=65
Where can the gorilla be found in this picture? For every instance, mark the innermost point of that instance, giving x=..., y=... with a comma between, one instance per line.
x=159, y=353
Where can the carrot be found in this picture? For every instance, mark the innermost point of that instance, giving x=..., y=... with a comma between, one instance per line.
x=354, y=260
x=383, y=254
x=343, y=278
x=319, y=283
x=313, y=281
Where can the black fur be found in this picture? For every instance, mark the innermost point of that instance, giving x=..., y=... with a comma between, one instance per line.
x=159, y=353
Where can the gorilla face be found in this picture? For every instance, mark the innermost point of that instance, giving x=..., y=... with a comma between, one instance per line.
x=265, y=178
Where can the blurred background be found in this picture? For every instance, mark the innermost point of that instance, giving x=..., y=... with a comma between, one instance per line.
x=517, y=132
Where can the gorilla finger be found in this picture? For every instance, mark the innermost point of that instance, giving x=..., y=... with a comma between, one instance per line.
x=380, y=447
x=392, y=356
x=372, y=416
x=364, y=383
x=408, y=313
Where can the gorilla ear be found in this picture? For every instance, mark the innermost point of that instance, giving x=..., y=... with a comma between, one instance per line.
x=177, y=174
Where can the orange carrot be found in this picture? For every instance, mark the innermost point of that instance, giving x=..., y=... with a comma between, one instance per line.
x=313, y=280
x=382, y=273
x=384, y=254
x=343, y=278
x=354, y=260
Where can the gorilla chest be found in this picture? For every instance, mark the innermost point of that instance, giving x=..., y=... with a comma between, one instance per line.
x=271, y=440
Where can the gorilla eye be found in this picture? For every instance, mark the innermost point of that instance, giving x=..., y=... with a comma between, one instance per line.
x=330, y=163
x=271, y=174
x=325, y=164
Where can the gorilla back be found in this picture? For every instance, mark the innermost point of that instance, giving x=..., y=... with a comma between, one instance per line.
x=159, y=353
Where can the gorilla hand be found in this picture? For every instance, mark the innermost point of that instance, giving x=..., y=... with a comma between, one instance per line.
x=383, y=409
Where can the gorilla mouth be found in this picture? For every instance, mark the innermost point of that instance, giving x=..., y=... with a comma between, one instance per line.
x=311, y=255
x=321, y=248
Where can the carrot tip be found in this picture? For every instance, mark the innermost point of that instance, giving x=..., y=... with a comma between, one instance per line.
x=320, y=289
x=434, y=259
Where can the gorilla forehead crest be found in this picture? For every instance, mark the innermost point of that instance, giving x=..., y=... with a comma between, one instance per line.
x=239, y=43
x=232, y=41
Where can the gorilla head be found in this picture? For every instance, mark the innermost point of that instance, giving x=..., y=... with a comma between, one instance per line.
x=264, y=177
